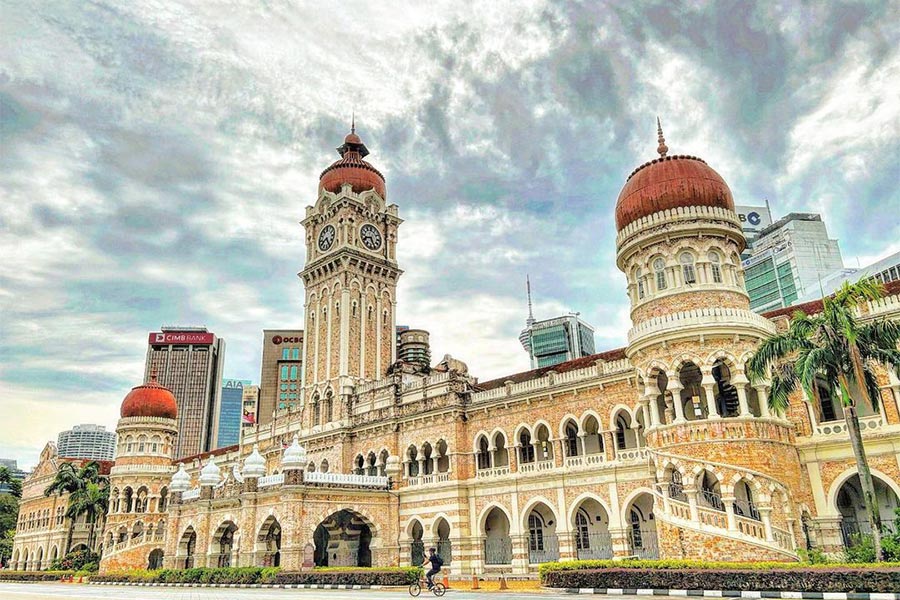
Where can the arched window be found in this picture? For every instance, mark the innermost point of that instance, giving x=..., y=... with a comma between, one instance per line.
x=687, y=267
x=129, y=444
x=582, y=530
x=535, y=532
x=484, y=454
x=142, y=443
x=317, y=411
x=163, y=500
x=571, y=439
x=526, y=449
x=659, y=268
x=715, y=266
x=323, y=467
x=284, y=372
x=621, y=426
x=412, y=454
x=639, y=278
x=328, y=404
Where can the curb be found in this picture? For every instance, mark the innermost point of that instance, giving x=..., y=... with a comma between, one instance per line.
x=737, y=594
x=285, y=586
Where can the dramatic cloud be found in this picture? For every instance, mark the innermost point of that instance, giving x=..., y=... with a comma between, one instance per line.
x=156, y=159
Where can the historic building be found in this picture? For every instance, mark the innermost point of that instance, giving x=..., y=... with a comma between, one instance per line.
x=663, y=448
x=42, y=531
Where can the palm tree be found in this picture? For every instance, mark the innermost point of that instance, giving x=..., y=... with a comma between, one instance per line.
x=92, y=501
x=69, y=480
x=834, y=348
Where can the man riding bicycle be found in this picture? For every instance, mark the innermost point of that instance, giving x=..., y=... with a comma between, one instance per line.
x=436, y=562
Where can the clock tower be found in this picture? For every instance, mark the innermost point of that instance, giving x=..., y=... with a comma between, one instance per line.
x=350, y=278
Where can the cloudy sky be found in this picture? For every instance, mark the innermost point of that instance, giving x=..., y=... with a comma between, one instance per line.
x=156, y=157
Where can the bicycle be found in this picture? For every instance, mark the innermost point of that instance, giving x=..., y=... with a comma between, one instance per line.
x=437, y=589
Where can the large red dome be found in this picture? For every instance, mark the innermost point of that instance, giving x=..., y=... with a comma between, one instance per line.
x=149, y=400
x=352, y=169
x=670, y=182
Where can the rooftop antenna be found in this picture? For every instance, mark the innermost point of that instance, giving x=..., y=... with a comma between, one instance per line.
x=530, y=320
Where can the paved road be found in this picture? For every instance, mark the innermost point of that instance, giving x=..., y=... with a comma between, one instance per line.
x=54, y=591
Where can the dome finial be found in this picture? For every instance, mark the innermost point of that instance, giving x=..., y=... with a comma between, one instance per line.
x=662, y=148
x=353, y=122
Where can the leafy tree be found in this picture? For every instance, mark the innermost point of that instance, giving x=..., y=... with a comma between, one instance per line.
x=14, y=485
x=73, y=481
x=834, y=347
x=6, y=545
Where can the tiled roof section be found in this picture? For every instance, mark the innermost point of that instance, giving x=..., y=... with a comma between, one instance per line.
x=892, y=288
x=105, y=465
x=578, y=363
x=202, y=455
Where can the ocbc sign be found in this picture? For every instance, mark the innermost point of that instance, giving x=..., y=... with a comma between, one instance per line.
x=277, y=339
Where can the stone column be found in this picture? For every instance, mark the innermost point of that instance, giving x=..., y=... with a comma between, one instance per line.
x=762, y=393
x=728, y=501
x=691, y=493
x=709, y=384
x=650, y=396
x=765, y=513
x=581, y=437
x=740, y=381
x=675, y=388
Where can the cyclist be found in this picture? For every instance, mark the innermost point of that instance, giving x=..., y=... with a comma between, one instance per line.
x=435, y=561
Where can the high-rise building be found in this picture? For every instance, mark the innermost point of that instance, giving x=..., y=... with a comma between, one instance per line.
x=279, y=377
x=753, y=220
x=553, y=341
x=14, y=471
x=231, y=412
x=789, y=259
x=885, y=270
x=188, y=361
x=249, y=408
x=87, y=441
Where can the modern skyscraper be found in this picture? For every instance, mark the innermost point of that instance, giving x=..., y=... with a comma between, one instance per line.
x=231, y=412
x=188, y=361
x=789, y=259
x=92, y=442
x=753, y=220
x=553, y=341
x=14, y=471
x=279, y=377
x=885, y=270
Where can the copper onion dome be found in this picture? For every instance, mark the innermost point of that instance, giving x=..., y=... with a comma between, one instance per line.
x=670, y=182
x=352, y=169
x=149, y=400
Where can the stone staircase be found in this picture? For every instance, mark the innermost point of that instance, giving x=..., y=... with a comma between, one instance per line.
x=711, y=520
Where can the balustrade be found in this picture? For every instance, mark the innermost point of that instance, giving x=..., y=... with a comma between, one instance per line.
x=270, y=480
x=191, y=494
x=832, y=428
x=492, y=472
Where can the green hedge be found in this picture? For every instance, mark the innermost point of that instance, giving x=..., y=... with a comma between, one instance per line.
x=198, y=575
x=341, y=575
x=34, y=575
x=698, y=575
x=399, y=576
x=577, y=565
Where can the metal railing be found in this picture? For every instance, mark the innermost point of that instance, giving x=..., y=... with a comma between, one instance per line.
x=854, y=532
x=417, y=553
x=711, y=499
x=498, y=551
x=643, y=543
x=745, y=508
x=596, y=545
x=445, y=550
x=543, y=549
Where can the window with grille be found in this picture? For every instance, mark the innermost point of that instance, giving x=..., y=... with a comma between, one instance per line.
x=715, y=267
x=687, y=267
x=659, y=267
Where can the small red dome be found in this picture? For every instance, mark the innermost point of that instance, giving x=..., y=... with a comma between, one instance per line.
x=670, y=182
x=149, y=400
x=352, y=169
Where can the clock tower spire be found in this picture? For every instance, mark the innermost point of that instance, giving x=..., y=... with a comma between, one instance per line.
x=350, y=277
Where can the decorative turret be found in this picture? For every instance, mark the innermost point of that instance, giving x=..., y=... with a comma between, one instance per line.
x=181, y=481
x=254, y=464
x=293, y=462
x=210, y=477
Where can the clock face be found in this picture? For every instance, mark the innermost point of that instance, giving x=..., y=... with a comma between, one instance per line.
x=371, y=238
x=326, y=238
